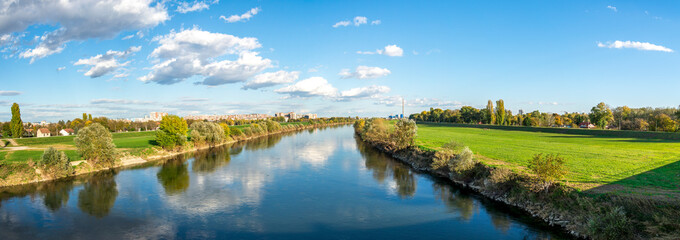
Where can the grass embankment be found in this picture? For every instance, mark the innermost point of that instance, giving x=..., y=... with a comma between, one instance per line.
x=642, y=166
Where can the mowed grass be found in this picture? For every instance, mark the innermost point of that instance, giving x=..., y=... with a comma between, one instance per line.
x=35, y=155
x=122, y=140
x=592, y=161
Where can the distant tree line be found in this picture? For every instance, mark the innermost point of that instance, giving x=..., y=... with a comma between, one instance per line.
x=602, y=116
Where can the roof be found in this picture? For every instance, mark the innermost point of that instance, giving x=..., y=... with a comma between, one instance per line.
x=68, y=130
x=44, y=130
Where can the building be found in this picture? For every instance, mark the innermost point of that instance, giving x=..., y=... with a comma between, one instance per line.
x=43, y=132
x=587, y=125
x=66, y=132
x=309, y=116
x=152, y=117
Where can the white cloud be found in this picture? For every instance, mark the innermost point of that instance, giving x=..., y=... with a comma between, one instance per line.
x=121, y=75
x=271, y=79
x=78, y=20
x=59, y=69
x=612, y=8
x=424, y=103
x=128, y=37
x=9, y=93
x=106, y=63
x=185, y=7
x=243, y=17
x=636, y=45
x=310, y=87
x=364, y=92
x=365, y=72
x=358, y=20
x=193, y=52
x=389, y=50
x=341, y=23
x=118, y=101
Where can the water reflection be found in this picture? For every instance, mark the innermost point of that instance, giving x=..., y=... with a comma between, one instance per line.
x=174, y=176
x=463, y=204
x=207, y=161
x=383, y=166
x=98, y=195
x=56, y=194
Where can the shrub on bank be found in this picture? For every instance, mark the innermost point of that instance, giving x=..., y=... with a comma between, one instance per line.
x=95, y=144
x=55, y=163
x=612, y=224
x=206, y=133
x=548, y=169
x=455, y=156
x=226, y=129
x=404, y=135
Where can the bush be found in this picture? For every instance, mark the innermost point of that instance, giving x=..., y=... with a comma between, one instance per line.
x=235, y=132
x=404, y=134
x=173, y=132
x=206, y=133
x=454, y=155
x=272, y=126
x=548, y=169
x=502, y=179
x=375, y=130
x=95, y=144
x=613, y=224
x=55, y=163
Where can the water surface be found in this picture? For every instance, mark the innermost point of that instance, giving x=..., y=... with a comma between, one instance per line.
x=317, y=184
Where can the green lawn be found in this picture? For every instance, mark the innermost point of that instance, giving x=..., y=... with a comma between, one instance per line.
x=592, y=161
x=127, y=139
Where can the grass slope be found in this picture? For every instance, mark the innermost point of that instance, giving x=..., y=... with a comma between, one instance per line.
x=592, y=161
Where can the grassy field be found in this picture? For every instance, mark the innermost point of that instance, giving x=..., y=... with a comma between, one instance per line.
x=643, y=165
x=134, y=141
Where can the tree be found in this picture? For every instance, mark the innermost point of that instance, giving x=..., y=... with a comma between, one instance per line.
x=489, y=116
x=664, y=123
x=501, y=114
x=404, y=134
x=601, y=115
x=173, y=132
x=16, y=125
x=226, y=129
x=89, y=117
x=95, y=144
x=548, y=168
x=55, y=163
x=469, y=114
x=206, y=133
x=84, y=117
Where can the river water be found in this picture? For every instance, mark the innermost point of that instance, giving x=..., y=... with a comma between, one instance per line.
x=315, y=184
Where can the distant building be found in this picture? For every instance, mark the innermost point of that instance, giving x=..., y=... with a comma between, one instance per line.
x=152, y=117
x=66, y=132
x=43, y=132
x=587, y=125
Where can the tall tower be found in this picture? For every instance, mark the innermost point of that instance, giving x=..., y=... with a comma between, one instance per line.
x=402, y=107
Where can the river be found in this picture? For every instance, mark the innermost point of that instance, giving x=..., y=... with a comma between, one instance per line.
x=313, y=184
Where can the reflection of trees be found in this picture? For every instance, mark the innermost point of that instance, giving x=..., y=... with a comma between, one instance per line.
x=98, y=195
x=56, y=193
x=174, y=176
x=455, y=201
x=209, y=160
x=501, y=222
x=263, y=142
x=382, y=166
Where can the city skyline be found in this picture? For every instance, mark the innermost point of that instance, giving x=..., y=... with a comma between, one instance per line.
x=332, y=58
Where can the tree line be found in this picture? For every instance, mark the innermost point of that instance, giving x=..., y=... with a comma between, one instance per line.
x=601, y=116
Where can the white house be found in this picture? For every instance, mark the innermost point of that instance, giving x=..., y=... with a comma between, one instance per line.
x=66, y=132
x=43, y=132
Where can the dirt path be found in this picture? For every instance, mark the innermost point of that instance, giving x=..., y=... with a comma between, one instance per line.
x=12, y=142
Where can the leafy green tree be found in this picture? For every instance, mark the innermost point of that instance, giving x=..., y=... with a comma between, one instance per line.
x=55, y=163
x=84, y=117
x=206, y=133
x=95, y=144
x=601, y=115
x=173, y=132
x=501, y=114
x=226, y=129
x=16, y=125
x=469, y=114
x=664, y=123
x=489, y=115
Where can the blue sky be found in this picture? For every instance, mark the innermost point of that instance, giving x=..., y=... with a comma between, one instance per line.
x=183, y=57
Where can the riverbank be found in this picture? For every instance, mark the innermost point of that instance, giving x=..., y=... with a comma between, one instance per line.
x=31, y=174
x=583, y=214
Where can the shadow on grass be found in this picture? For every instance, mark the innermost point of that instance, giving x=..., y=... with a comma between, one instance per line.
x=153, y=143
x=658, y=183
